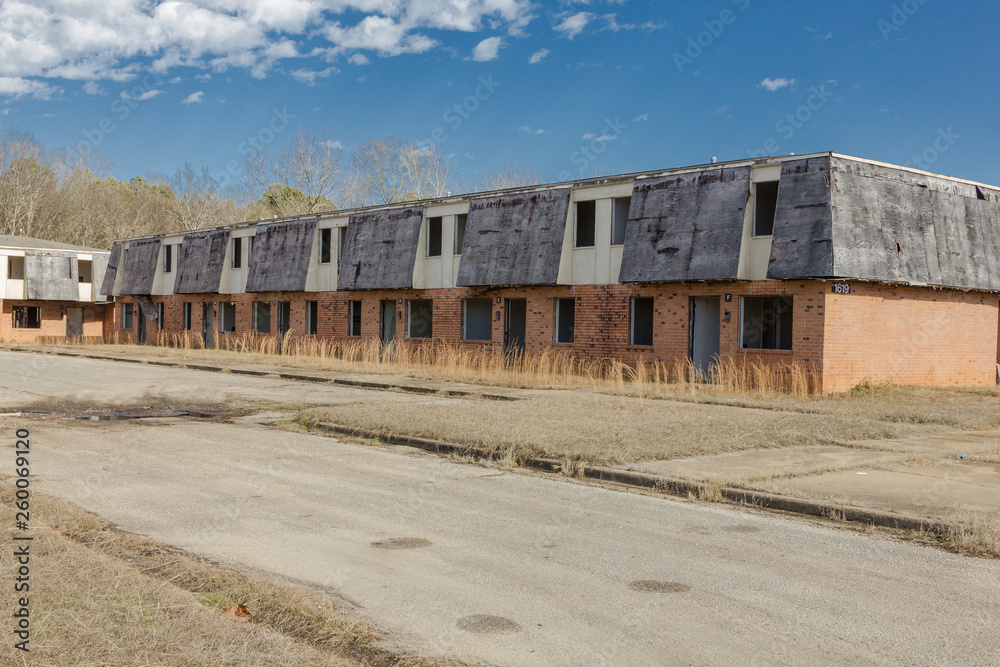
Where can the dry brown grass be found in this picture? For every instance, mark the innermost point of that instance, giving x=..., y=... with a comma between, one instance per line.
x=601, y=428
x=102, y=597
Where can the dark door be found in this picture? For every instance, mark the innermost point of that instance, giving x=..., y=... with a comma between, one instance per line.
x=74, y=323
x=388, y=321
x=516, y=324
x=704, y=332
x=207, y=331
x=142, y=324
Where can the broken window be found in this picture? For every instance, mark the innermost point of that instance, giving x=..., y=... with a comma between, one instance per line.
x=341, y=242
x=419, y=319
x=159, y=315
x=237, y=253
x=253, y=242
x=642, y=321
x=434, y=237
x=477, y=319
x=15, y=268
x=354, y=318
x=262, y=316
x=168, y=258
x=85, y=269
x=460, y=222
x=312, y=317
x=227, y=318
x=27, y=317
x=767, y=323
x=765, y=204
x=565, y=320
x=325, y=245
x=187, y=316
x=619, y=219
x=127, y=314
x=586, y=222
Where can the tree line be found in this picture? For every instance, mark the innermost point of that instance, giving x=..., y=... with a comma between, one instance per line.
x=66, y=194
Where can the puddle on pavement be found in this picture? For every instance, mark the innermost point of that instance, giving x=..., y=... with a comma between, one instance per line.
x=655, y=586
x=402, y=543
x=114, y=416
x=484, y=624
x=153, y=414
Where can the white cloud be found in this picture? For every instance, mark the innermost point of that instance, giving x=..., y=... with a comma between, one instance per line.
x=538, y=56
x=18, y=87
x=573, y=25
x=93, y=88
x=527, y=129
x=334, y=144
x=358, y=59
x=773, y=85
x=309, y=77
x=641, y=118
x=194, y=98
x=487, y=49
x=5, y=112
x=143, y=96
x=119, y=39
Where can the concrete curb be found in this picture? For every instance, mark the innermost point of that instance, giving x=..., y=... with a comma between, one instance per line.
x=667, y=485
x=295, y=377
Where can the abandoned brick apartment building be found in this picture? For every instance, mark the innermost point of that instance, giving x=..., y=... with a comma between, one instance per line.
x=48, y=291
x=857, y=269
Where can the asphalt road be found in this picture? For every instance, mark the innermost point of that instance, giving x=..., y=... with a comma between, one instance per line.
x=517, y=569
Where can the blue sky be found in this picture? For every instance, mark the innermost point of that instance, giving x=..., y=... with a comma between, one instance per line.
x=570, y=88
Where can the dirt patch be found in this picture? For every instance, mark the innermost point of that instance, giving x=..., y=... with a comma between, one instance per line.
x=656, y=586
x=402, y=543
x=484, y=624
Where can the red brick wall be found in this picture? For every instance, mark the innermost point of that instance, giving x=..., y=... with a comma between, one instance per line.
x=906, y=335
x=910, y=335
x=53, y=320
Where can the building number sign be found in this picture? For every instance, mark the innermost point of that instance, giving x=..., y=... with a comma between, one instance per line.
x=841, y=288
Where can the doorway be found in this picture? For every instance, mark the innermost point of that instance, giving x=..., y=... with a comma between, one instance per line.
x=388, y=321
x=142, y=324
x=207, y=315
x=74, y=323
x=515, y=325
x=704, y=332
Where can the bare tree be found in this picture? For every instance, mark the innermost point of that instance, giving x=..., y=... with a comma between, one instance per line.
x=388, y=169
x=25, y=182
x=511, y=175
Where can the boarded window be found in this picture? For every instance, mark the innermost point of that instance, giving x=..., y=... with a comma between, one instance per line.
x=354, y=319
x=419, y=319
x=262, y=316
x=565, y=320
x=460, y=222
x=238, y=253
x=127, y=315
x=477, y=319
x=159, y=314
x=434, y=237
x=765, y=203
x=227, y=318
x=767, y=323
x=619, y=220
x=168, y=258
x=325, y=245
x=15, y=268
x=27, y=317
x=312, y=317
x=642, y=321
x=187, y=316
x=586, y=223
